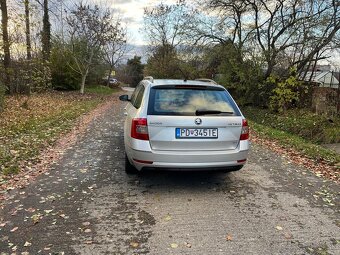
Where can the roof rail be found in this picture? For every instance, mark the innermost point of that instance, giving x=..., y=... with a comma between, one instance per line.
x=206, y=80
x=149, y=78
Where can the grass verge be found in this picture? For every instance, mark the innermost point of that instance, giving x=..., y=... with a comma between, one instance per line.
x=100, y=90
x=31, y=124
x=289, y=141
x=315, y=128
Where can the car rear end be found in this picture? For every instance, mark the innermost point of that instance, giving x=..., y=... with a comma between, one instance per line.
x=189, y=126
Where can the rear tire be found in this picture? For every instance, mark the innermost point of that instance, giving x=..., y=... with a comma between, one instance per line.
x=129, y=168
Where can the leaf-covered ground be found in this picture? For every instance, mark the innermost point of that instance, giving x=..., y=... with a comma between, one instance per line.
x=321, y=161
x=31, y=124
x=297, y=135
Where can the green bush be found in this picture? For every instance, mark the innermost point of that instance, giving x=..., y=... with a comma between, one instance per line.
x=242, y=77
x=285, y=93
x=63, y=76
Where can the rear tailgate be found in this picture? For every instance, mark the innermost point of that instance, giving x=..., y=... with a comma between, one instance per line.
x=226, y=131
x=174, y=122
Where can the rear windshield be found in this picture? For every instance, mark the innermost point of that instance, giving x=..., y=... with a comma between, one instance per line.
x=186, y=101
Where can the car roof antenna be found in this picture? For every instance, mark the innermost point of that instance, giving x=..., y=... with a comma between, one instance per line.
x=184, y=75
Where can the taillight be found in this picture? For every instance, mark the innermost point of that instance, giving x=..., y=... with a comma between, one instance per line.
x=139, y=129
x=245, y=130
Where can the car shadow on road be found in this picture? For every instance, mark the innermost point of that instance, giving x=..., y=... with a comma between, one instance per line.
x=197, y=181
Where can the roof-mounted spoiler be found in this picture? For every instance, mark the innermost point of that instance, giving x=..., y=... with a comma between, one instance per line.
x=206, y=80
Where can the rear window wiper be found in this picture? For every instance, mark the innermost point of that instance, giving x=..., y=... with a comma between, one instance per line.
x=206, y=112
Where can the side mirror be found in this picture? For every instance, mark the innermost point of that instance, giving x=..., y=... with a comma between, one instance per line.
x=124, y=98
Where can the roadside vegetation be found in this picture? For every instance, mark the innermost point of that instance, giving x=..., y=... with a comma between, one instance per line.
x=316, y=128
x=298, y=129
x=30, y=124
x=291, y=141
x=101, y=90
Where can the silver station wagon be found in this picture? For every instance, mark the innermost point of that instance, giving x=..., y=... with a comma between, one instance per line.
x=183, y=125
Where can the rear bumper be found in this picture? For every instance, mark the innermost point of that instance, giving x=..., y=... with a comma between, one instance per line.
x=186, y=160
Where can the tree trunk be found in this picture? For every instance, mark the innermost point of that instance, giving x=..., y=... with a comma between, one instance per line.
x=6, y=44
x=82, y=85
x=28, y=30
x=46, y=33
x=109, y=77
x=83, y=80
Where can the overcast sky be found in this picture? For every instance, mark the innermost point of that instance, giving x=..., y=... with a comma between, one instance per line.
x=132, y=14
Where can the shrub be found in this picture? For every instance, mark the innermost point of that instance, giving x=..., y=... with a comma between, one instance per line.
x=285, y=93
x=63, y=77
x=31, y=76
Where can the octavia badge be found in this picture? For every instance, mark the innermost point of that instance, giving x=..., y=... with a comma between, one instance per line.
x=198, y=121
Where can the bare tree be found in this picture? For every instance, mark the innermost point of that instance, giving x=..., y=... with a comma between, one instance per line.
x=28, y=30
x=115, y=48
x=277, y=24
x=46, y=32
x=230, y=27
x=165, y=27
x=275, y=29
x=89, y=29
x=6, y=45
x=166, y=24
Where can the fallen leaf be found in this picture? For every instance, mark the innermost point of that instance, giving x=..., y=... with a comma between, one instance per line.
x=168, y=218
x=174, y=245
x=14, y=229
x=27, y=244
x=288, y=236
x=134, y=244
x=187, y=244
x=63, y=216
x=31, y=210
x=229, y=237
x=279, y=228
x=36, y=218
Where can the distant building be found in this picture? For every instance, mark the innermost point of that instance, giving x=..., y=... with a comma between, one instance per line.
x=320, y=68
x=324, y=78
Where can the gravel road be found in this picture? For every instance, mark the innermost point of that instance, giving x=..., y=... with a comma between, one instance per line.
x=86, y=204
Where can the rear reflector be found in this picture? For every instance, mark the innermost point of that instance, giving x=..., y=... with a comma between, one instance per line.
x=143, y=161
x=139, y=129
x=245, y=130
x=241, y=161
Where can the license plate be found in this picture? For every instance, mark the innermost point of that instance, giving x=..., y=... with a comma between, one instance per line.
x=195, y=133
